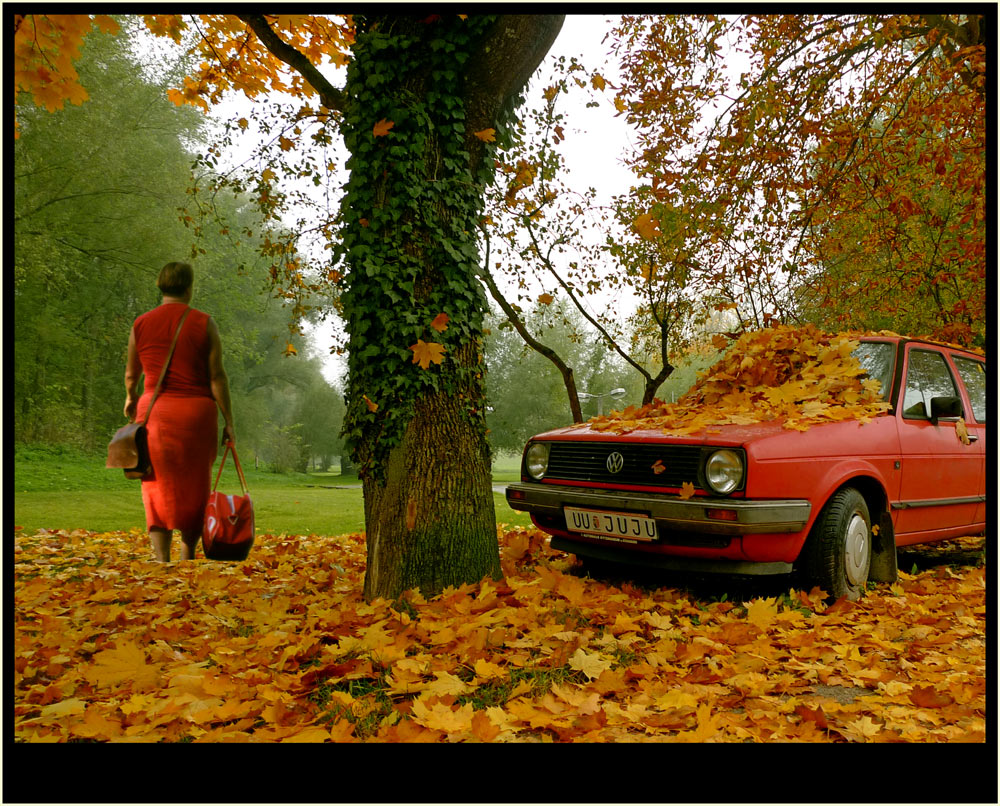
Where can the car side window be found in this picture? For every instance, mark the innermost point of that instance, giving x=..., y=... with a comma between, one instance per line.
x=973, y=375
x=927, y=377
x=877, y=359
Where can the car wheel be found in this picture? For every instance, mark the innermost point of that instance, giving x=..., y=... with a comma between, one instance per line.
x=839, y=550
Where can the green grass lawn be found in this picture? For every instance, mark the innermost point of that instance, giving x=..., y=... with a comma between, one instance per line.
x=66, y=489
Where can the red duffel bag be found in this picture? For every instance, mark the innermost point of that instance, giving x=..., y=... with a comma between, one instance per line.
x=228, y=531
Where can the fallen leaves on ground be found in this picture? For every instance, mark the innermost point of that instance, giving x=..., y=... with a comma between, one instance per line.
x=110, y=646
x=795, y=376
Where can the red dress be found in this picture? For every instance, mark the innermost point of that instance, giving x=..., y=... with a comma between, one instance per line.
x=183, y=427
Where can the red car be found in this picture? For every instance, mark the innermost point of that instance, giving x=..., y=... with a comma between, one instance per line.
x=833, y=501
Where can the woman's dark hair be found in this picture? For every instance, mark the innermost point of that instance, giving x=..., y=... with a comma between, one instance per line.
x=175, y=279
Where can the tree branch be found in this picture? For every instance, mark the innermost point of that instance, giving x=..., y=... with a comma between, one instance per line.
x=330, y=96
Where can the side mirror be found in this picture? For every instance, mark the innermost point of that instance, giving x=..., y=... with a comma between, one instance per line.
x=945, y=407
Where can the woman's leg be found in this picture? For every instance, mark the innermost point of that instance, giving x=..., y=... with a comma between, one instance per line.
x=160, y=539
x=189, y=542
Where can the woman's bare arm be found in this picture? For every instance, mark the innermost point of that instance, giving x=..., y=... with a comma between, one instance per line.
x=219, y=380
x=133, y=371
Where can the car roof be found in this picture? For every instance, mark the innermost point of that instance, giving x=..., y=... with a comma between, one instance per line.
x=897, y=339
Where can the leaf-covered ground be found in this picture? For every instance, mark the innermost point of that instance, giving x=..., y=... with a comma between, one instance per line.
x=110, y=646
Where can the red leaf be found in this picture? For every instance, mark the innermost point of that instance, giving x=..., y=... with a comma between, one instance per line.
x=381, y=129
x=813, y=715
x=929, y=697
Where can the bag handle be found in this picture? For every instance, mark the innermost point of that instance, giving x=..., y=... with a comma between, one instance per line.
x=166, y=365
x=239, y=470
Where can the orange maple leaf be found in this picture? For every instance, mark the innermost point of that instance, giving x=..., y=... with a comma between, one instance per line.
x=545, y=299
x=427, y=353
x=381, y=129
x=372, y=407
x=486, y=135
x=962, y=431
x=440, y=322
x=687, y=490
x=658, y=467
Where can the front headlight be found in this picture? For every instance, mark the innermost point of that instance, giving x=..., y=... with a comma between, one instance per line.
x=724, y=471
x=536, y=460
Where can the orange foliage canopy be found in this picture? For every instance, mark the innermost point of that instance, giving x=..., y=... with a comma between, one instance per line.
x=45, y=49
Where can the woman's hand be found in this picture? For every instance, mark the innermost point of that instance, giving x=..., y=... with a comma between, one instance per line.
x=131, y=404
x=228, y=434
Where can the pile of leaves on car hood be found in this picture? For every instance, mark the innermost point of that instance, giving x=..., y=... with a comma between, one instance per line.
x=795, y=376
x=109, y=646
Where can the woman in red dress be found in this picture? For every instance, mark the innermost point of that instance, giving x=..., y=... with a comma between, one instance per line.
x=183, y=426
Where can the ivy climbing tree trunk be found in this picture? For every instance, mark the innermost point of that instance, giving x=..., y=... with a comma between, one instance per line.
x=427, y=102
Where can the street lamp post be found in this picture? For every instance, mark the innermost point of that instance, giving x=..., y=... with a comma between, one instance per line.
x=616, y=394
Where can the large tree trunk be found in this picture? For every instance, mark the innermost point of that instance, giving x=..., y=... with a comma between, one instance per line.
x=418, y=434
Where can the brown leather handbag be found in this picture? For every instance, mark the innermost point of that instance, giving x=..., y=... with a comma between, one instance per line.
x=129, y=447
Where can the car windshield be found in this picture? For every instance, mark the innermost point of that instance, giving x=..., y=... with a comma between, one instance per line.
x=877, y=358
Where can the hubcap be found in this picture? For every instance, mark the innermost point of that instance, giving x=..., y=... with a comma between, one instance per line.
x=856, y=551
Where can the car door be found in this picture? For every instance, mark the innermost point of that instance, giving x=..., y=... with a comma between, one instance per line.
x=940, y=475
x=972, y=373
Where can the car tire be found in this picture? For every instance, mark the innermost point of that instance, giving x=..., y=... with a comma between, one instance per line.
x=837, y=555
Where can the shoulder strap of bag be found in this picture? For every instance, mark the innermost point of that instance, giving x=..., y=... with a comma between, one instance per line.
x=166, y=365
x=239, y=470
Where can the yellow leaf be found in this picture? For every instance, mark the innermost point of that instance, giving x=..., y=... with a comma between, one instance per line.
x=762, y=612
x=687, y=490
x=443, y=717
x=290, y=350
x=486, y=135
x=314, y=734
x=598, y=82
x=243, y=123
x=381, y=129
x=125, y=663
x=372, y=407
x=647, y=226
x=64, y=708
x=427, y=353
x=489, y=671
x=591, y=664
x=862, y=729
x=447, y=683
x=675, y=698
x=545, y=299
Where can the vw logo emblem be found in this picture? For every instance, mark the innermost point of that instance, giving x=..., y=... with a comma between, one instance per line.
x=615, y=462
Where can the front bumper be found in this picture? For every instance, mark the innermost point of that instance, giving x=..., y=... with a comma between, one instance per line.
x=772, y=516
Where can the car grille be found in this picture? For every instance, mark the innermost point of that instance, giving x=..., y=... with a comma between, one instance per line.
x=588, y=461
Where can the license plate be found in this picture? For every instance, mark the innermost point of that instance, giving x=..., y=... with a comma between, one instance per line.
x=622, y=525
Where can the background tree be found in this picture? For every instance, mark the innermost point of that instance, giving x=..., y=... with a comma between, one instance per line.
x=825, y=122
x=96, y=197
x=620, y=272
